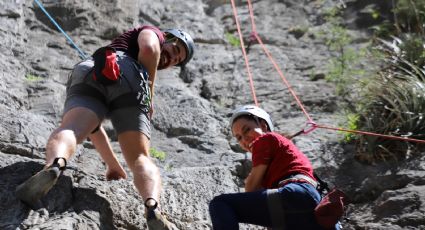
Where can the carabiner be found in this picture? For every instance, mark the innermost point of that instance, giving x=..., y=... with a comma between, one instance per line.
x=309, y=127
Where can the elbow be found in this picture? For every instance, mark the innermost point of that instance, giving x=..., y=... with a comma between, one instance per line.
x=147, y=50
x=148, y=53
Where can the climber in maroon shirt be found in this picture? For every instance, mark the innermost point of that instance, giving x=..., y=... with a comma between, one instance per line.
x=116, y=83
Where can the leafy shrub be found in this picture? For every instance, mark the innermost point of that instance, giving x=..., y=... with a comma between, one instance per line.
x=32, y=77
x=392, y=103
x=410, y=16
x=233, y=40
x=407, y=16
x=343, y=68
x=160, y=155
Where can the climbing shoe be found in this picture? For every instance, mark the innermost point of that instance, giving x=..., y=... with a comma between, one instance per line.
x=156, y=220
x=33, y=189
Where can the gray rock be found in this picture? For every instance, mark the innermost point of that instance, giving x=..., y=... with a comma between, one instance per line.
x=191, y=111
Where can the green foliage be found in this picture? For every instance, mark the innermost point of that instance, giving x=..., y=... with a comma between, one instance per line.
x=392, y=99
x=232, y=39
x=343, y=68
x=160, y=155
x=32, y=78
x=413, y=49
x=352, y=121
x=375, y=14
x=392, y=103
x=410, y=16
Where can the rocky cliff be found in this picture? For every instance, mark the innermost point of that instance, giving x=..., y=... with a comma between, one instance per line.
x=192, y=106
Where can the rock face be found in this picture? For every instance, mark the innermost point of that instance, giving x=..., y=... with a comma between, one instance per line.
x=191, y=111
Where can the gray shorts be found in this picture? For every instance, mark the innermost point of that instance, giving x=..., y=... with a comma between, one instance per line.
x=108, y=101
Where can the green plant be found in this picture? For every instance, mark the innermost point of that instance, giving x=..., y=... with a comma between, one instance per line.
x=392, y=103
x=409, y=16
x=413, y=49
x=32, y=78
x=352, y=124
x=232, y=39
x=391, y=100
x=160, y=155
x=342, y=69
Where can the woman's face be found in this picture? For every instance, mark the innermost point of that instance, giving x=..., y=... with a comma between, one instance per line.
x=246, y=130
x=173, y=52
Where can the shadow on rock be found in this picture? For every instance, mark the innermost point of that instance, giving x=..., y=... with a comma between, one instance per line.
x=61, y=201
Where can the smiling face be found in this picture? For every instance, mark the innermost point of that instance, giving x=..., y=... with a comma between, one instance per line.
x=246, y=129
x=173, y=52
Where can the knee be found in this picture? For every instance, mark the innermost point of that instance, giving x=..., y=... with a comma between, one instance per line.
x=143, y=163
x=69, y=133
x=216, y=203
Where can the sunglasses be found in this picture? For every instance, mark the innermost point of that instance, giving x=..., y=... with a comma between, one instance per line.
x=171, y=39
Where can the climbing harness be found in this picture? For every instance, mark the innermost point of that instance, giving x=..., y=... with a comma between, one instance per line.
x=297, y=178
x=277, y=213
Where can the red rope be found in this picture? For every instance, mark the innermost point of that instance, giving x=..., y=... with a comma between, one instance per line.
x=235, y=13
x=254, y=32
x=251, y=15
x=372, y=134
x=291, y=90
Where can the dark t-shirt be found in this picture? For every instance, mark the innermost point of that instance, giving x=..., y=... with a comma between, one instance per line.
x=282, y=157
x=127, y=42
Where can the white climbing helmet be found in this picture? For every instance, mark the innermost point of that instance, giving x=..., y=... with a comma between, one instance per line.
x=252, y=110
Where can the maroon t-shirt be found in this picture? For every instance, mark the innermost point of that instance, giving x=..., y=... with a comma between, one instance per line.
x=127, y=41
x=282, y=157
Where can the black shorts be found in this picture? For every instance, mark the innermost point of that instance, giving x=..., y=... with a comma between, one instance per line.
x=126, y=102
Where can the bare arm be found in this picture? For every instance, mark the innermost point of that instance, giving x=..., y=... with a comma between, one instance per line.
x=149, y=54
x=101, y=142
x=253, y=181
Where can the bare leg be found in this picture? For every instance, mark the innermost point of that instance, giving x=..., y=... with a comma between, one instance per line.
x=75, y=127
x=147, y=179
x=100, y=140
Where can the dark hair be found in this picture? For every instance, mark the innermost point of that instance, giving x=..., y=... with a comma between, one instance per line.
x=246, y=116
x=252, y=118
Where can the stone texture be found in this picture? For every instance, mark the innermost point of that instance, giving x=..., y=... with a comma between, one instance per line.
x=191, y=111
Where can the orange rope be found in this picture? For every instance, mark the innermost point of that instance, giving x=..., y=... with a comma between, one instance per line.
x=235, y=13
x=251, y=13
x=372, y=134
x=291, y=90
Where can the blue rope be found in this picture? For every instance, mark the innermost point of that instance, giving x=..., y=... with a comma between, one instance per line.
x=82, y=54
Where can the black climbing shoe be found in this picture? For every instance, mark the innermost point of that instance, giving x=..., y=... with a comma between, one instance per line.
x=157, y=220
x=33, y=189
